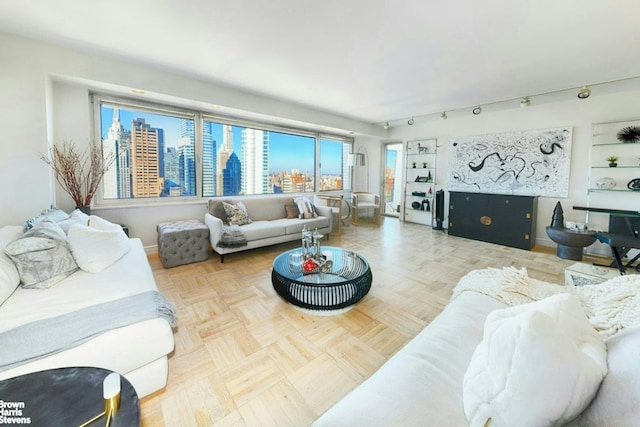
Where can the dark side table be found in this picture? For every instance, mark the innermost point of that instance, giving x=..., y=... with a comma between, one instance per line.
x=65, y=397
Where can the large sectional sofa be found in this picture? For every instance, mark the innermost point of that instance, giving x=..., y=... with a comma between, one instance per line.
x=111, y=316
x=461, y=370
x=270, y=221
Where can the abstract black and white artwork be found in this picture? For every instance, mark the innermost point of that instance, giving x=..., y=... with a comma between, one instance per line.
x=532, y=163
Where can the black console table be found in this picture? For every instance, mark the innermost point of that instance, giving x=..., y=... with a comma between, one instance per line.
x=495, y=218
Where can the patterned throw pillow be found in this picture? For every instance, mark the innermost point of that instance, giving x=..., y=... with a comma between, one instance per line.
x=41, y=262
x=306, y=208
x=237, y=214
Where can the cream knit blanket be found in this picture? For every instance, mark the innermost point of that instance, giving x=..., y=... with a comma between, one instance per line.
x=610, y=306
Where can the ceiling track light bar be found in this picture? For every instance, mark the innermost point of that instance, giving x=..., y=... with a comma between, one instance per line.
x=583, y=93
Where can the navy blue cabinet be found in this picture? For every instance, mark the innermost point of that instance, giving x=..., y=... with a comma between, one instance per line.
x=495, y=218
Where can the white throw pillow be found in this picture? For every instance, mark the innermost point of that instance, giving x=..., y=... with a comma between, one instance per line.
x=9, y=277
x=98, y=245
x=617, y=402
x=76, y=217
x=538, y=364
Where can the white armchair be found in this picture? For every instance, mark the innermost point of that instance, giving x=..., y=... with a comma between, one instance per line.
x=363, y=202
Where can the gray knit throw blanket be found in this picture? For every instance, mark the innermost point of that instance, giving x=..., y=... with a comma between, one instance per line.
x=43, y=337
x=232, y=237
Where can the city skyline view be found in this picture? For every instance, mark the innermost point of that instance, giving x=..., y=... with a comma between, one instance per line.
x=284, y=155
x=155, y=156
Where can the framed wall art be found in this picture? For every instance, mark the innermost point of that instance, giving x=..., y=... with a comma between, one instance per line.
x=532, y=163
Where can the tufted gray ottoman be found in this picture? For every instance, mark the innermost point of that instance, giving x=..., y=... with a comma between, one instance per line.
x=182, y=242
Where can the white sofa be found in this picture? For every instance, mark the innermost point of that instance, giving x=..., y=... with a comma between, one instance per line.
x=138, y=351
x=269, y=223
x=422, y=384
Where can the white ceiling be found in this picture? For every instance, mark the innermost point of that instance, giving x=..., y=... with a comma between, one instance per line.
x=372, y=60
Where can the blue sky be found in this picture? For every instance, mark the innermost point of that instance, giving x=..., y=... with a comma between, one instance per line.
x=286, y=151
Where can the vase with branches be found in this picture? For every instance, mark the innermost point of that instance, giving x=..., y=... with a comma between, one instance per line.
x=79, y=170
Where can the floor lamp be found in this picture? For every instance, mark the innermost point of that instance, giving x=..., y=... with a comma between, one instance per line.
x=359, y=159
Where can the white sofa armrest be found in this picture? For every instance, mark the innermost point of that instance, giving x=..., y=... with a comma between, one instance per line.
x=325, y=211
x=215, y=228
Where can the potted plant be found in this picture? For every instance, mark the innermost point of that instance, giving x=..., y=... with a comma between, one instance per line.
x=78, y=171
x=413, y=164
x=424, y=164
x=612, y=161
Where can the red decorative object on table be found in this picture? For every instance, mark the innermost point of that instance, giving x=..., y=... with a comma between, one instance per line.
x=309, y=265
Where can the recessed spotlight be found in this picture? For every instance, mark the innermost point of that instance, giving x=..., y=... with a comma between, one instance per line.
x=138, y=91
x=386, y=125
x=477, y=110
x=443, y=115
x=411, y=121
x=584, y=93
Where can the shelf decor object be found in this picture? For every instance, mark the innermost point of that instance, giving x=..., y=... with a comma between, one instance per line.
x=629, y=134
x=634, y=184
x=606, y=183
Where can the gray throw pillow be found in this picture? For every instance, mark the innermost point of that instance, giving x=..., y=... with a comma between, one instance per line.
x=216, y=208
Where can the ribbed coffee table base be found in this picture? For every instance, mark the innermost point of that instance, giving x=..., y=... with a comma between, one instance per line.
x=347, y=284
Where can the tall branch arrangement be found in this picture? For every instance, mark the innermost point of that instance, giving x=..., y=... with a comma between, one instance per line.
x=79, y=171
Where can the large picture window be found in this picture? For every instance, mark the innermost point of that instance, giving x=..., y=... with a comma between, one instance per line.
x=165, y=152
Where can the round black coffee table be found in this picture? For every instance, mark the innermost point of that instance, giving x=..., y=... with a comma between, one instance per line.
x=341, y=286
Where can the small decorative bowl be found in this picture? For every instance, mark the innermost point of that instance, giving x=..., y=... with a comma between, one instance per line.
x=606, y=183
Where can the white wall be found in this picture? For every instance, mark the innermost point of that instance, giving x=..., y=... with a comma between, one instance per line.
x=580, y=114
x=44, y=99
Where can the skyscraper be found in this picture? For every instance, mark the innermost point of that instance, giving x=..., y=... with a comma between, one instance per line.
x=187, y=157
x=232, y=176
x=223, y=155
x=146, y=152
x=171, y=172
x=209, y=174
x=117, y=180
x=255, y=161
x=187, y=166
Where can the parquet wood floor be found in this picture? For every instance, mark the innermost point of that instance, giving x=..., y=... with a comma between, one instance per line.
x=244, y=357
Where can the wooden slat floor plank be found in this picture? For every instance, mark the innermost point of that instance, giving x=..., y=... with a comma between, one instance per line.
x=244, y=357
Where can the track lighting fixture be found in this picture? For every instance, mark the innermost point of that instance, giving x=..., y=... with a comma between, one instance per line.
x=584, y=93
